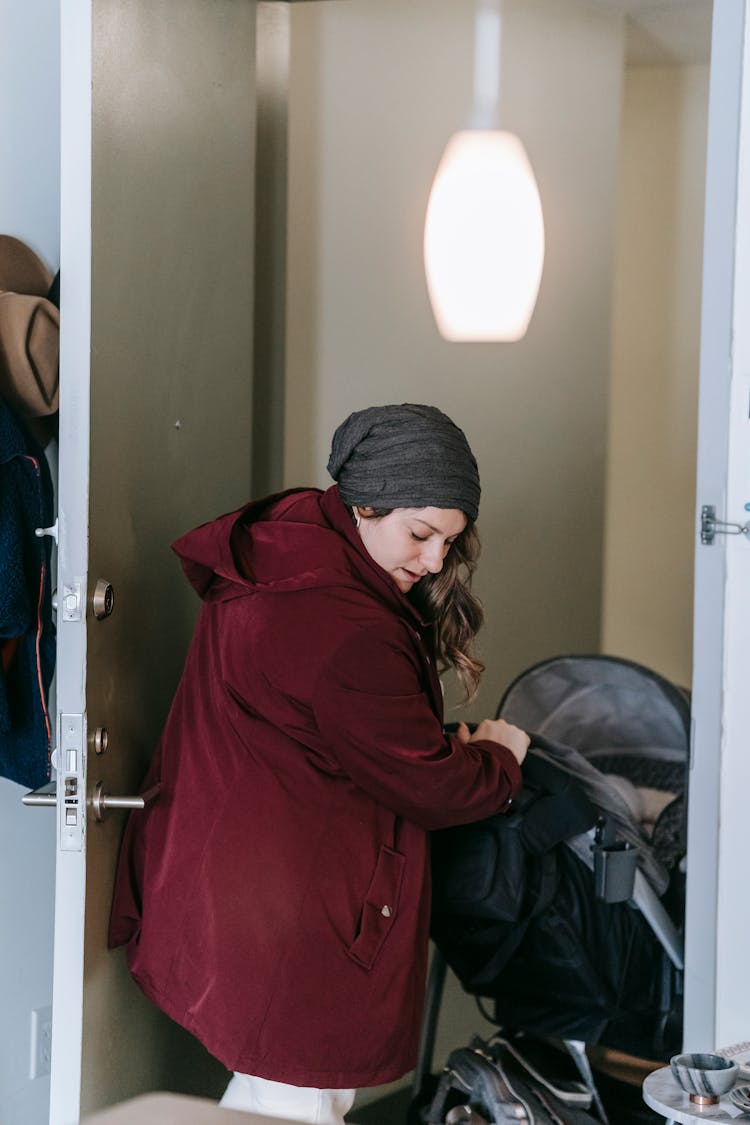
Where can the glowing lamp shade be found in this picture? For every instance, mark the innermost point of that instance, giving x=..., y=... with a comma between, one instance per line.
x=484, y=238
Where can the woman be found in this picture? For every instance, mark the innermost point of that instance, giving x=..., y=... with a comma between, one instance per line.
x=275, y=899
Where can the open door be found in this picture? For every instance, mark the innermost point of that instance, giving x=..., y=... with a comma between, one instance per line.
x=158, y=113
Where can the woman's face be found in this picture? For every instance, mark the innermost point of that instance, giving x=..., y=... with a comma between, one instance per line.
x=410, y=542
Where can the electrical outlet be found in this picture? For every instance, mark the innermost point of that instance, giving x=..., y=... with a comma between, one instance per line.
x=41, y=1042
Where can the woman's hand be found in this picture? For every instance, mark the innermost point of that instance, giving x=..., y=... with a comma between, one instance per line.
x=497, y=730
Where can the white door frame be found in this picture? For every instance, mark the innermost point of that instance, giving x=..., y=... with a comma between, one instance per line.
x=717, y=985
x=75, y=338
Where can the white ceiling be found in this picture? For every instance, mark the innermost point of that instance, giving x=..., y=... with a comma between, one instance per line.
x=665, y=31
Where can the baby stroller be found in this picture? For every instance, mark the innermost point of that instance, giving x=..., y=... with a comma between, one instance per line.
x=565, y=915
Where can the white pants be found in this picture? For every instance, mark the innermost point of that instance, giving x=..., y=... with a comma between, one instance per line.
x=297, y=1103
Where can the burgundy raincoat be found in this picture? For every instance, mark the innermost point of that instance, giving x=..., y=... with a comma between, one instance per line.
x=275, y=898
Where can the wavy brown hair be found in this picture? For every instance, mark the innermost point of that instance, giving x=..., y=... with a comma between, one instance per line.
x=446, y=600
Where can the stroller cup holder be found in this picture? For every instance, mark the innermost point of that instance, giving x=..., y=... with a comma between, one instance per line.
x=615, y=864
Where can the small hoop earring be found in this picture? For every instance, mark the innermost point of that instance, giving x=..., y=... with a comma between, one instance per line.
x=357, y=518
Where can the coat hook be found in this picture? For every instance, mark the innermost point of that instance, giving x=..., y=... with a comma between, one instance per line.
x=51, y=531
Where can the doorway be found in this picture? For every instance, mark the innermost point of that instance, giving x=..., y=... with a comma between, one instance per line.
x=585, y=431
x=360, y=329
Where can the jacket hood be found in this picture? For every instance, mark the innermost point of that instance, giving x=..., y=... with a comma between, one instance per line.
x=293, y=540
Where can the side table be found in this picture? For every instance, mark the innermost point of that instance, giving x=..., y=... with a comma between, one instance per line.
x=662, y=1093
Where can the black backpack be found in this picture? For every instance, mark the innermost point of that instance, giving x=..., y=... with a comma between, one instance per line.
x=493, y=877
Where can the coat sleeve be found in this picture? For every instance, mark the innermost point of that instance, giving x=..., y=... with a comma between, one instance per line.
x=376, y=718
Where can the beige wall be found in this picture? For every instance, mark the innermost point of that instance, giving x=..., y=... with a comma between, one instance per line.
x=650, y=530
x=377, y=86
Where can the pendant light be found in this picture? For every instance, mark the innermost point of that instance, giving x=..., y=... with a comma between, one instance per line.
x=484, y=232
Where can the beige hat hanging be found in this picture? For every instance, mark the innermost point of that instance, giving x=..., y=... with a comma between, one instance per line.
x=29, y=332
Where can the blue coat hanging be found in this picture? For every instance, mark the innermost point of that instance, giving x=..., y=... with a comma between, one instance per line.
x=27, y=633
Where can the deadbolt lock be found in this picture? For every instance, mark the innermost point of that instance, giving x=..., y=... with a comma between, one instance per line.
x=103, y=600
x=99, y=740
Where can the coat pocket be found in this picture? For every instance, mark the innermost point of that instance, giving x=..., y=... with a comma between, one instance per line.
x=379, y=909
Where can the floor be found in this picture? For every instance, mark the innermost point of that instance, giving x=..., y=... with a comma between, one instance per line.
x=392, y=1110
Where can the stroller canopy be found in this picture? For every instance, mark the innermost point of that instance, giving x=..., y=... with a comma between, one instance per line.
x=604, y=706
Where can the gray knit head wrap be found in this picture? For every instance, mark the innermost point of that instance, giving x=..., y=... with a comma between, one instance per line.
x=405, y=456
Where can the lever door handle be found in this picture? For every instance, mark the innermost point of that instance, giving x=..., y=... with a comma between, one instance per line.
x=100, y=802
x=41, y=798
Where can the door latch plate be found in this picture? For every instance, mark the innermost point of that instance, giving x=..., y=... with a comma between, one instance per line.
x=72, y=774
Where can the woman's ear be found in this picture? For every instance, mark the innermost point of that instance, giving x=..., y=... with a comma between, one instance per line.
x=364, y=510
